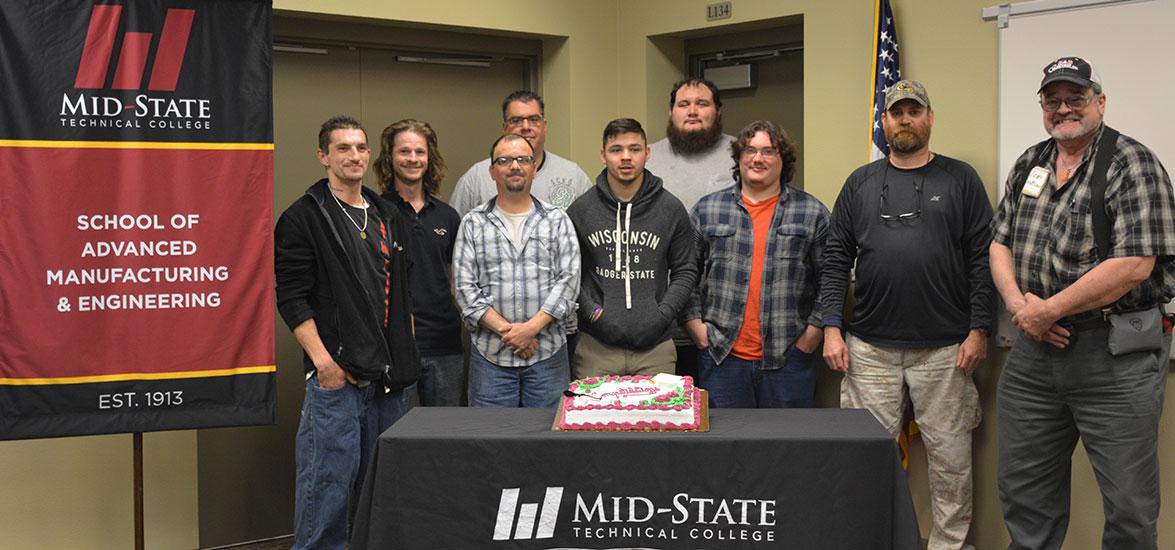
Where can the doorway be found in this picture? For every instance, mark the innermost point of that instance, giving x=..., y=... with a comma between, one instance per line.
x=772, y=62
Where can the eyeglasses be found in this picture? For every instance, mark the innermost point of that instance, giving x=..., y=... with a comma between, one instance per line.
x=767, y=152
x=524, y=160
x=904, y=216
x=534, y=120
x=1076, y=102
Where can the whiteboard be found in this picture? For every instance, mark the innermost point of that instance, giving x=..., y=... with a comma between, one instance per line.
x=1129, y=44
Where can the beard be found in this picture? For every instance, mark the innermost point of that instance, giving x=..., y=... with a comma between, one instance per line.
x=688, y=144
x=514, y=182
x=909, y=140
x=1085, y=127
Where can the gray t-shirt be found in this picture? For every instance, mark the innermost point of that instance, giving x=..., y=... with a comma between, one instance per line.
x=558, y=181
x=691, y=178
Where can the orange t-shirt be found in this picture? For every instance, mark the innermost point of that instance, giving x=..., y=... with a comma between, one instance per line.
x=749, y=343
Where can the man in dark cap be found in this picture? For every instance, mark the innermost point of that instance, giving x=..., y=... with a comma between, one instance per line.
x=1083, y=241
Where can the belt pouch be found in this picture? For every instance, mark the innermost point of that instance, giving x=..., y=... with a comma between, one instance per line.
x=1133, y=331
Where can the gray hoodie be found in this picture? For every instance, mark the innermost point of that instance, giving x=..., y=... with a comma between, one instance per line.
x=638, y=262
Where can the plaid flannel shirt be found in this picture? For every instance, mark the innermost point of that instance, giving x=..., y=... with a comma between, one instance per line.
x=1051, y=236
x=791, y=270
x=490, y=271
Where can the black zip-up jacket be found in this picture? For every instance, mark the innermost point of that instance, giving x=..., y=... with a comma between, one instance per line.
x=315, y=279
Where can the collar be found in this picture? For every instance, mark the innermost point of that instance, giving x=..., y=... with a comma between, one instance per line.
x=541, y=208
x=320, y=191
x=736, y=192
x=429, y=200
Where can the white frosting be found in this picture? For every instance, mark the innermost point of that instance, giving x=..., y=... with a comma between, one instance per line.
x=622, y=404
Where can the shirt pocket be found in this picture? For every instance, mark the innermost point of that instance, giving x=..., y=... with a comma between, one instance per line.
x=791, y=240
x=539, y=255
x=722, y=240
x=1074, y=246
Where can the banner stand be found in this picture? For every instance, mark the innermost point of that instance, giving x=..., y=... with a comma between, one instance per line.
x=138, y=489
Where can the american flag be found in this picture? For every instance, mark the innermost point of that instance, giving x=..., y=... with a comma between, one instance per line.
x=885, y=72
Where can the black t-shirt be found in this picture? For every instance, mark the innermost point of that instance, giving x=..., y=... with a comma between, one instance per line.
x=434, y=233
x=923, y=278
x=369, y=256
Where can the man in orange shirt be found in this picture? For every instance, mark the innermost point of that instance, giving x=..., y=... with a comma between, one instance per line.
x=754, y=313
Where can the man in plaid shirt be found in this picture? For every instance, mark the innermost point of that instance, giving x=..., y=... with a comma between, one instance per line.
x=516, y=264
x=1065, y=377
x=754, y=313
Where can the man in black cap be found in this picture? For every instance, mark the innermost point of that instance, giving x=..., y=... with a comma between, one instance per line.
x=1082, y=249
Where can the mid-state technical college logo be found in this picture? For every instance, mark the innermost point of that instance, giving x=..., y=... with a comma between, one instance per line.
x=81, y=109
x=607, y=517
x=524, y=528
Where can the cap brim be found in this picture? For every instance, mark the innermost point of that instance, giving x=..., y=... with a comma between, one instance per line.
x=1083, y=82
x=915, y=98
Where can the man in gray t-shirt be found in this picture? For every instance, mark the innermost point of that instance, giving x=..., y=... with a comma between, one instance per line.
x=557, y=180
x=693, y=160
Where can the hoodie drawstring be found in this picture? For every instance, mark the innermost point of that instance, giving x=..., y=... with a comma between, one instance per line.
x=627, y=266
x=617, y=240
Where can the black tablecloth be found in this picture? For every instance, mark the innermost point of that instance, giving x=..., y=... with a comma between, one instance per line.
x=500, y=478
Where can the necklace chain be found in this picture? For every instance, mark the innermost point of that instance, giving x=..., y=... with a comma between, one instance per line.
x=362, y=230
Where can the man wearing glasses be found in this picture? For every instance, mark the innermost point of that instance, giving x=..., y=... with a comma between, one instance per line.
x=557, y=180
x=754, y=314
x=1083, y=241
x=516, y=270
x=917, y=225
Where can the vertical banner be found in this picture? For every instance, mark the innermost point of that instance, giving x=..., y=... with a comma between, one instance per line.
x=136, y=215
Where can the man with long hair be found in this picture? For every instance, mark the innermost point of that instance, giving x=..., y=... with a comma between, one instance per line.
x=410, y=169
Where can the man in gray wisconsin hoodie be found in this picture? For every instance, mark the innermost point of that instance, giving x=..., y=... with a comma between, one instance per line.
x=637, y=247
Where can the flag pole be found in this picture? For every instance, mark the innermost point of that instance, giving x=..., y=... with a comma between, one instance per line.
x=873, y=76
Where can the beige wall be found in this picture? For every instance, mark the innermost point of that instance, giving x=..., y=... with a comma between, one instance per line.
x=601, y=59
x=579, y=58
x=78, y=492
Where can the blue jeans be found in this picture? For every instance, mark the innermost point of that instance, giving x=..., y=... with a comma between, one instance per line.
x=739, y=383
x=442, y=377
x=336, y=437
x=539, y=385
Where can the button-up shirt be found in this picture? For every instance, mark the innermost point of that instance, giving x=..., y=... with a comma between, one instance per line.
x=1051, y=236
x=490, y=270
x=791, y=270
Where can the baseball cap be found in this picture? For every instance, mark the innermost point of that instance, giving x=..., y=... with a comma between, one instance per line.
x=1069, y=69
x=906, y=89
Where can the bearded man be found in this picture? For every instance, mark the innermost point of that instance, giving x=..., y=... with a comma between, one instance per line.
x=917, y=225
x=693, y=161
x=694, y=158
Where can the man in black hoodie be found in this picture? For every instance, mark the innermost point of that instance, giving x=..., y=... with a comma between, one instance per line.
x=341, y=259
x=637, y=247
